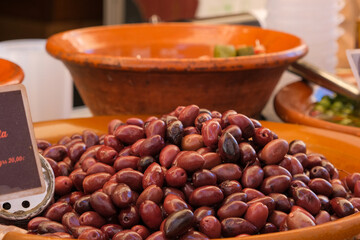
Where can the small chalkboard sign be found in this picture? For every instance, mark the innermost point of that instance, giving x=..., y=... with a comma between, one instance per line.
x=20, y=166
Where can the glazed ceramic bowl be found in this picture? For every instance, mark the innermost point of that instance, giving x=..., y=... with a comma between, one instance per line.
x=153, y=68
x=293, y=104
x=10, y=73
x=345, y=156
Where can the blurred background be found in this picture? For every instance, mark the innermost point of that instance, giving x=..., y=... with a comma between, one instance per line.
x=25, y=25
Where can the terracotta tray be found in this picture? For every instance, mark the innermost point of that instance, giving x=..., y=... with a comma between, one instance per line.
x=292, y=104
x=341, y=149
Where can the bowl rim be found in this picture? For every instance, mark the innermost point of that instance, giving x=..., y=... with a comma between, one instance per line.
x=54, y=48
x=14, y=73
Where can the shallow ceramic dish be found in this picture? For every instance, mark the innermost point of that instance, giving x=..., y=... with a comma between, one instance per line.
x=344, y=156
x=10, y=73
x=293, y=104
x=157, y=67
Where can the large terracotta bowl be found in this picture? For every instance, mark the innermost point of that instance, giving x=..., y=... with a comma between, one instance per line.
x=152, y=68
x=293, y=104
x=344, y=156
x=10, y=73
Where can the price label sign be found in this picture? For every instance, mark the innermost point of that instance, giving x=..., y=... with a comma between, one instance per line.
x=20, y=166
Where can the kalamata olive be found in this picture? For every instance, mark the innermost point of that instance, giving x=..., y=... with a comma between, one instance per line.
x=282, y=202
x=174, y=132
x=188, y=115
x=228, y=148
x=122, y=162
x=229, y=187
x=167, y=155
x=266, y=200
x=135, y=121
x=224, y=118
x=341, y=206
x=351, y=179
x=57, y=235
x=322, y=217
x=312, y=161
x=131, y=178
x=211, y=159
x=86, y=163
x=150, y=214
x=320, y=186
x=239, y=196
x=302, y=177
x=307, y=199
x=173, y=203
x=33, y=224
x=56, y=210
x=231, y=227
x=200, y=119
x=62, y=141
x=65, y=168
x=232, y=209
x=338, y=190
x=235, y=131
x=192, y=142
x=206, y=196
x=128, y=134
x=153, y=175
x=268, y=228
x=252, y=193
x=257, y=214
x=274, y=151
x=78, y=230
x=247, y=153
x=70, y=220
x=92, y=218
x=76, y=150
x=203, y=177
x=95, y=181
x=262, y=136
x=192, y=235
x=127, y=235
x=90, y=152
x=111, y=229
x=275, y=184
x=113, y=142
x=298, y=219
x=319, y=172
x=355, y=201
x=155, y=127
x=158, y=235
x=54, y=166
x=57, y=152
x=90, y=138
x=210, y=131
x=113, y=124
x=151, y=146
x=178, y=223
x=252, y=177
x=122, y=195
x=274, y=170
x=100, y=167
x=63, y=185
x=297, y=146
x=278, y=218
x=141, y=230
x=325, y=202
x=188, y=189
x=190, y=161
x=129, y=217
x=245, y=124
x=51, y=227
x=153, y=193
x=106, y=154
x=101, y=203
x=83, y=204
x=227, y=171
x=210, y=226
x=202, y=212
x=175, y=177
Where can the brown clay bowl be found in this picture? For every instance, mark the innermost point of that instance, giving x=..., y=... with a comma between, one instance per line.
x=10, y=73
x=293, y=103
x=344, y=156
x=153, y=68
